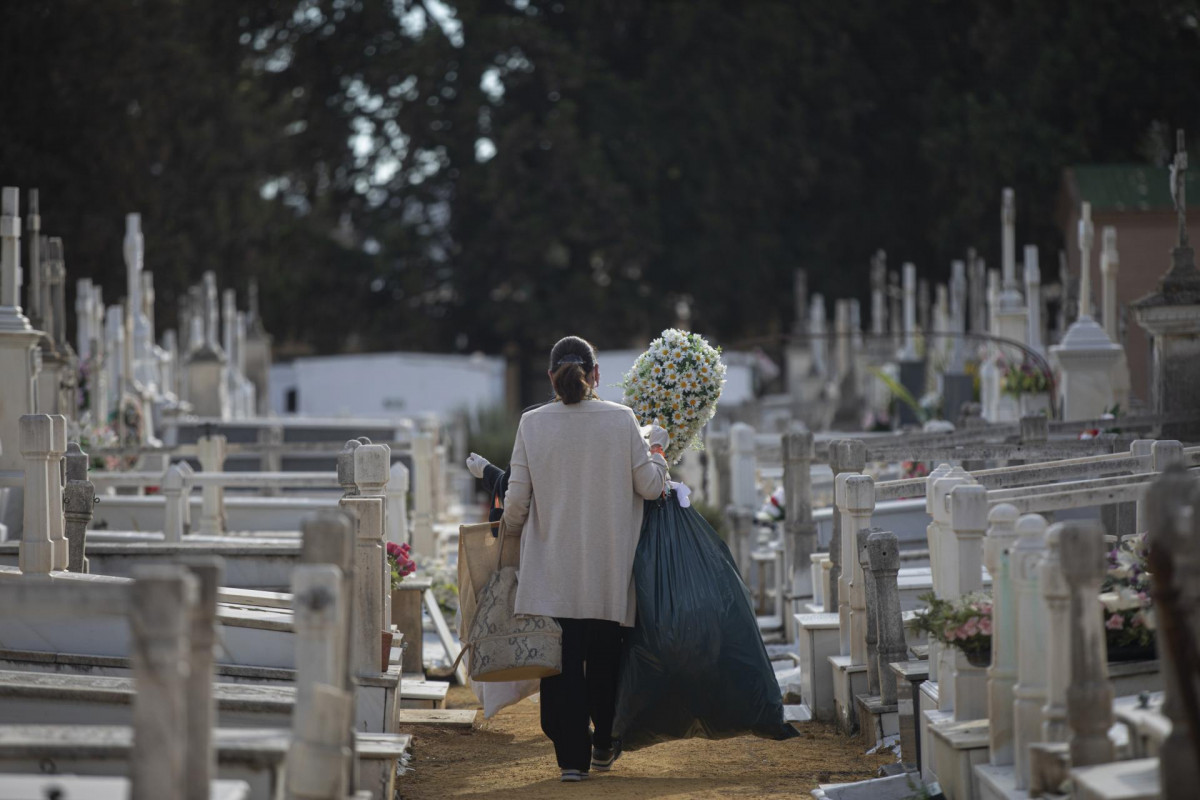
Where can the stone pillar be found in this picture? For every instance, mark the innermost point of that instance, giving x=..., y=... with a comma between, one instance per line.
x=36, y=553
x=845, y=456
x=317, y=757
x=33, y=231
x=743, y=494
x=328, y=538
x=1086, y=356
x=139, y=324
x=800, y=534
x=367, y=515
x=19, y=358
x=176, y=492
x=397, y=504
x=201, y=762
x=1030, y=691
x=371, y=473
x=871, y=602
x=1057, y=612
x=883, y=552
x=79, y=498
x=1002, y=676
x=943, y=557
x=1089, y=694
x=909, y=352
x=968, y=519
x=859, y=499
x=423, y=541
x=1033, y=299
x=162, y=598
x=210, y=451
x=1172, y=530
x=55, y=523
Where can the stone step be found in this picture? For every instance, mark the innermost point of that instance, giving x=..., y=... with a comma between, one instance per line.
x=456, y=717
x=423, y=694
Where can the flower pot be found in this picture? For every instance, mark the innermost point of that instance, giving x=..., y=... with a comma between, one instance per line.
x=1032, y=405
x=979, y=658
x=386, y=656
x=1132, y=652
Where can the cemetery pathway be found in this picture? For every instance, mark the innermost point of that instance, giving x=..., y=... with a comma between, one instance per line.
x=508, y=756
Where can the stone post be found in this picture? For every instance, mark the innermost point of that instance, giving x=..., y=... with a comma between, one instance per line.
x=968, y=519
x=317, y=756
x=55, y=522
x=743, y=493
x=1010, y=293
x=371, y=473
x=79, y=498
x=1172, y=529
x=1057, y=611
x=367, y=515
x=883, y=552
x=201, y=762
x=1033, y=298
x=845, y=456
x=210, y=451
x=859, y=505
x=817, y=341
x=33, y=231
x=1109, y=265
x=1002, y=676
x=1030, y=691
x=176, y=492
x=328, y=538
x=162, y=598
x=870, y=588
x=1089, y=694
x=910, y=313
x=397, y=504
x=36, y=554
x=800, y=534
x=943, y=558
x=423, y=541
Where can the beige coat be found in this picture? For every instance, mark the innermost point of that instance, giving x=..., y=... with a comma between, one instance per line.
x=579, y=476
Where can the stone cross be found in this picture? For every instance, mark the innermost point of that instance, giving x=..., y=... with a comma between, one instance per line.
x=139, y=326
x=1033, y=297
x=1172, y=523
x=56, y=280
x=1057, y=596
x=816, y=328
x=879, y=293
x=11, y=318
x=883, y=552
x=33, y=231
x=1087, y=233
x=910, y=313
x=78, y=500
x=1010, y=295
x=317, y=757
x=849, y=456
x=1030, y=691
x=1002, y=676
x=161, y=602
x=1179, y=167
x=1089, y=694
x=211, y=312
x=870, y=589
x=958, y=313
x=1110, y=263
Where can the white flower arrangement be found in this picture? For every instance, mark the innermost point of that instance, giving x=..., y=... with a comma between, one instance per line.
x=676, y=383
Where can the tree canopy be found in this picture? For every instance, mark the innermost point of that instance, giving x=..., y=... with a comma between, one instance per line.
x=466, y=174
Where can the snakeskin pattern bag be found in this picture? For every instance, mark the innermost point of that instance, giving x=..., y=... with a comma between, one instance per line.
x=503, y=645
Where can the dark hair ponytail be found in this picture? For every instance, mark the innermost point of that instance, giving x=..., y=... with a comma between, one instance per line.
x=571, y=362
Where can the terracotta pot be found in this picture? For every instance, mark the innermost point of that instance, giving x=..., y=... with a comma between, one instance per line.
x=386, y=656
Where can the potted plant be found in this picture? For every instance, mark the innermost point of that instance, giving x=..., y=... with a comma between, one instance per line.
x=965, y=623
x=1029, y=384
x=1127, y=606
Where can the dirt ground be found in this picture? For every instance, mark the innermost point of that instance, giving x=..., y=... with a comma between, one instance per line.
x=508, y=756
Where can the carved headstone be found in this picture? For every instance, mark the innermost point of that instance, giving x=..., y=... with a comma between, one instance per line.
x=78, y=501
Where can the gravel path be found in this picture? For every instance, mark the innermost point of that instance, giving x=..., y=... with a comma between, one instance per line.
x=508, y=756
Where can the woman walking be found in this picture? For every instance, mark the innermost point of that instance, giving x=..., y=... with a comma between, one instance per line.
x=580, y=471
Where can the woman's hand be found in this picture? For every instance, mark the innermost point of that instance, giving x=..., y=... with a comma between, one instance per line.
x=476, y=464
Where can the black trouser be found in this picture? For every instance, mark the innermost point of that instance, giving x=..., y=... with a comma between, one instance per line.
x=586, y=689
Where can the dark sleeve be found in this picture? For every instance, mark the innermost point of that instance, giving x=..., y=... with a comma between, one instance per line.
x=491, y=479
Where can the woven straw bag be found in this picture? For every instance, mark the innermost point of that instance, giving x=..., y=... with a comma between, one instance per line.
x=506, y=646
